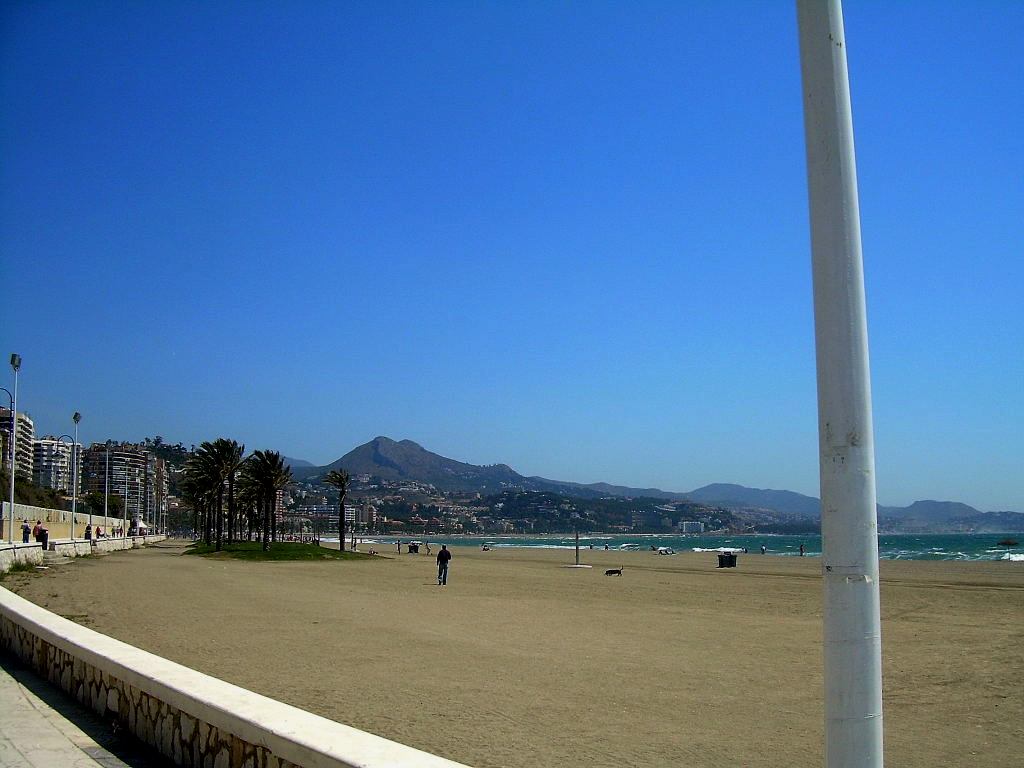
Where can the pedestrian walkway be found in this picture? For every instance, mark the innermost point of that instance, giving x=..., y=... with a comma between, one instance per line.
x=41, y=727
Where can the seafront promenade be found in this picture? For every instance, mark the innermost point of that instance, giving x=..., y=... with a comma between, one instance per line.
x=43, y=728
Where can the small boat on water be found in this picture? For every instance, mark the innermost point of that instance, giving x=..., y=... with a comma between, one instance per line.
x=629, y=547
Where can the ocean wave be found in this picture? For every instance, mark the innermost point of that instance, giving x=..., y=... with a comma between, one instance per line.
x=1013, y=557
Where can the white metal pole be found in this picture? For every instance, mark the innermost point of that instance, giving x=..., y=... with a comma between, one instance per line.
x=124, y=512
x=16, y=364
x=74, y=474
x=852, y=634
x=106, y=490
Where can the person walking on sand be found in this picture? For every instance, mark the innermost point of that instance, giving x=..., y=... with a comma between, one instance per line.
x=443, y=556
x=801, y=550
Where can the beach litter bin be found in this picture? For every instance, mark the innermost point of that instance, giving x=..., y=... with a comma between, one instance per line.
x=727, y=560
x=414, y=549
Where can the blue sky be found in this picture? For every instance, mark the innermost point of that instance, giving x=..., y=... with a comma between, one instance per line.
x=571, y=237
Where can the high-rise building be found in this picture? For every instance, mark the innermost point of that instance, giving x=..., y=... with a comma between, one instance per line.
x=52, y=466
x=123, y=470
x=159, y=485
x=26, y=437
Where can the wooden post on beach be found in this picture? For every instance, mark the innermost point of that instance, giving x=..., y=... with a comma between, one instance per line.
x=852, y=633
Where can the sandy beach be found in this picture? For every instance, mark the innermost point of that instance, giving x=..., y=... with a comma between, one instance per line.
x=519, y=662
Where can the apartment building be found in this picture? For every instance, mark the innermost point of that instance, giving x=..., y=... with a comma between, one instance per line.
x=52, y=465
x=26, y=437
x=131, y=473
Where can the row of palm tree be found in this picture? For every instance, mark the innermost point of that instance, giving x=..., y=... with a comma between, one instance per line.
x=250, y=483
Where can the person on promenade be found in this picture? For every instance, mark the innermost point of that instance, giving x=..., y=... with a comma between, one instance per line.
x=443, y=556
x=88, y=532
x=36, y=529
x=25, y=531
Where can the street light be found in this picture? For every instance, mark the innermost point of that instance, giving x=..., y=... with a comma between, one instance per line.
x=124, y=512
x=106, y=487
x=10, y=398
x=76, y=417
x=72, y=440
x=16, y=366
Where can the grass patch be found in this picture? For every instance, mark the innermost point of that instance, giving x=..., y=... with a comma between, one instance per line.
x=282, y=550
x=18, y=567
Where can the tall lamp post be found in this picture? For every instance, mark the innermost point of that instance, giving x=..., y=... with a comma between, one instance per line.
x=70, y=439
x=10, y=403
x=76, y=417
x=849, y=528
x=106, y=487
x=124, y=512
x=16, y=366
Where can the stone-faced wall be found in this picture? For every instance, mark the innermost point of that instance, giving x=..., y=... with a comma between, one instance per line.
x=167, y=729
x=191, y=718
x=19, y=553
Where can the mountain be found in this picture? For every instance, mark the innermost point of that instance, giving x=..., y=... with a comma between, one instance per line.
x=294, y=463
x=406, y=460
x=931, y=511
x=729, y=495
x=596, y=490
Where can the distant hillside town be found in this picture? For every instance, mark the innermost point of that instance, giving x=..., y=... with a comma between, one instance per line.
x=399, y=487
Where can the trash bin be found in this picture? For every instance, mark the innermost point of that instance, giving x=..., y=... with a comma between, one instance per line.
x=727, y=560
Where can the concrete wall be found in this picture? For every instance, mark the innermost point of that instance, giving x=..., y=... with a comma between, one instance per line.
x=192, y=718
x=19, y=553
x=58, y=520
x=33, y=552
x=70, y=547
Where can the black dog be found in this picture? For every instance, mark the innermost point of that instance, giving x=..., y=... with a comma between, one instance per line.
x=614, y=571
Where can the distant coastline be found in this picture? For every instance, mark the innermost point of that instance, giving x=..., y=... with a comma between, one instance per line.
x=961, y=547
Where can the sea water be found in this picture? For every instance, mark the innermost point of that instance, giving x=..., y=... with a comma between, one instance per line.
x=926, y=546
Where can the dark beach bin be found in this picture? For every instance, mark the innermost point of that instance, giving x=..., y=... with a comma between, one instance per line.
x=727, y=560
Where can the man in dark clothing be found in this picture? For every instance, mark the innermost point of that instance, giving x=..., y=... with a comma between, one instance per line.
x=442, y=565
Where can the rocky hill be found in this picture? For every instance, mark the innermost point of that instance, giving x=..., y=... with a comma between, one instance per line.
x=406, y=460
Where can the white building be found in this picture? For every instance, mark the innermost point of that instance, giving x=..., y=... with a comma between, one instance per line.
x=26, y=436
x=52, y=466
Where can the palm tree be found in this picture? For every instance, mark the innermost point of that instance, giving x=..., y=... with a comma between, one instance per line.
x=229, y=457
x=205, y=488
x=266, y=473
x=249, y=500
x=339, y=478
x=212, y=461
